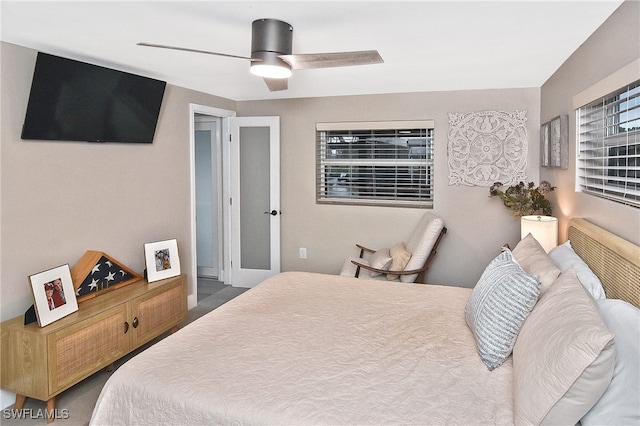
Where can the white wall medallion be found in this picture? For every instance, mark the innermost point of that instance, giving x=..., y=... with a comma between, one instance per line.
x=487, y=147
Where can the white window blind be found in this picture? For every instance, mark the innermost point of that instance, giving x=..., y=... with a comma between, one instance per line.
x=609, y=146
x=375, y=163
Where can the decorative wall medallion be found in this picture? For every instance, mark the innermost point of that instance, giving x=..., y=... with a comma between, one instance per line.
x=487, y=147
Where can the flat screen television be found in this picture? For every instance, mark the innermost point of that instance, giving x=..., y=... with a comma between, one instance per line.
x=77, y=101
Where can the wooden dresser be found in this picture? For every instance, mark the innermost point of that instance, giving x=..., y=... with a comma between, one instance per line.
x=40, y=362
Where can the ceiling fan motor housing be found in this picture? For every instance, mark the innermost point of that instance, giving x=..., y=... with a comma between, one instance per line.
x=270, y=38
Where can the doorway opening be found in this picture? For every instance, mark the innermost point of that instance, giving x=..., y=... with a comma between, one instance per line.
x=225, y=143
x=209, y=187
x=209, y=249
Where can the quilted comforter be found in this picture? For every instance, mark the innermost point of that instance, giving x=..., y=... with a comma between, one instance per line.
x=306, y=348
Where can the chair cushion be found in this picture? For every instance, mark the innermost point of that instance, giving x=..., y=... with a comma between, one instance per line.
x=349, y=269
x=421, y=242
x=534, y=260
x=399, y=259
x=563, y=358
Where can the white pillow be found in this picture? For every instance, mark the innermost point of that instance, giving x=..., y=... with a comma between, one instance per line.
x=620, y=403
x=381, y=259
x=534, y=260
x=498, y=306
x=565, y=257
x=563, y=357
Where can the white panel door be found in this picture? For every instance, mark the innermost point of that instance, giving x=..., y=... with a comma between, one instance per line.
x=255, y=199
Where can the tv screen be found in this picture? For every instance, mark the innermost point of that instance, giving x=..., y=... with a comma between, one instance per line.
x=76, y=101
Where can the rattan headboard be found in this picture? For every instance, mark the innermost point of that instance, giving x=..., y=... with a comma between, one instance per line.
x=614, y=260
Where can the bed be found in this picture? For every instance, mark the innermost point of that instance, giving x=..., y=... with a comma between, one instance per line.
x=308, y=348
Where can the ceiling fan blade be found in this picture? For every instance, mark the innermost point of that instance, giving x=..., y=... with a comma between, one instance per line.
x=186, y=49
x=307, y=61
x=276, y=84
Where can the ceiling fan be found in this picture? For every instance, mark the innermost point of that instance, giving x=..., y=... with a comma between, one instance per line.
x=271, y=57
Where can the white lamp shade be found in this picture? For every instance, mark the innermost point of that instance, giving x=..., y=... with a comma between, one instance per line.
x=543, y=228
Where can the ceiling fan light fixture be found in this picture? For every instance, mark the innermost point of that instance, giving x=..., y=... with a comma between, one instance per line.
x=269, y=39
x=272, y=58
x=270, y=70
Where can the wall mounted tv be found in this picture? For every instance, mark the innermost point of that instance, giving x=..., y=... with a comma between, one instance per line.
x=76, y=101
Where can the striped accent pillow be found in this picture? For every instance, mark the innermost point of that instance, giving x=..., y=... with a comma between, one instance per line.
x=498, y=306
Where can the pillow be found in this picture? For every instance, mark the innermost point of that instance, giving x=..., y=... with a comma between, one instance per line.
x=381, y=259
x=498, y=306
x=565, y=257
x=563, y=357
x=399, y=259
x=535, y=261
x=620, y=403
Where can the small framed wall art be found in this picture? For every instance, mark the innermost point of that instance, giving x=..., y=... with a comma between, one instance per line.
x=162, y=260
x=53, y=294
x=554, y=143
x=544, y=145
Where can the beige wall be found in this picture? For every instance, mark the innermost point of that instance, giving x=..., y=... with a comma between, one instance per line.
x=60, y=199
x=614, y=45
x=477, y=225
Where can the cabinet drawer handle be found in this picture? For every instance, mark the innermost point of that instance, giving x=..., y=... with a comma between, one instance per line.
x=126, y=327
x=135, y=322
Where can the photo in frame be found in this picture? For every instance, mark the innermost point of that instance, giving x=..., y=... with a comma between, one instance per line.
x=53, y=294
x=162, y=260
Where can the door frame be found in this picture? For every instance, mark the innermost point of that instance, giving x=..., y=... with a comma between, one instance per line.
x=205, y=122
x=226, y=117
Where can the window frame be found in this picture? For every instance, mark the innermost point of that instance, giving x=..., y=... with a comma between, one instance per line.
x=608, y=146
x=362, y=185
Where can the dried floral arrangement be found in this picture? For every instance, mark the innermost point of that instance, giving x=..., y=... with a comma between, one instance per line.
x=524, y=199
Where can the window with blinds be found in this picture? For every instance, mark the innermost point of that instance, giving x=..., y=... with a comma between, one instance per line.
x=609, y=146
x=377, y=163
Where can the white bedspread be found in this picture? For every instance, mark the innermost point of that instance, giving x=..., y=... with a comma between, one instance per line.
x=304, y=348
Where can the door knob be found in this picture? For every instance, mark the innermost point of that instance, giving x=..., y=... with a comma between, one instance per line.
x=272, y=212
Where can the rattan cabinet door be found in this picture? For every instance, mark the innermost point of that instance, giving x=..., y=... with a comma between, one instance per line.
x=158, y=311
x=80, y=350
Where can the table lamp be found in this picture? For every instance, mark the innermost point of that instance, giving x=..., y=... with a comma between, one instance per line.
x=543, y=228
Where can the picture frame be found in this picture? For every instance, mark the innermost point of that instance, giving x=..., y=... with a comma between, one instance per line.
x=53, y=294
x=162, y=260
x=559, y=142
x=544, y=145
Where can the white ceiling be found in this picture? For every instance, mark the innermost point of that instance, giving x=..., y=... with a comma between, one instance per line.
x=426, y=45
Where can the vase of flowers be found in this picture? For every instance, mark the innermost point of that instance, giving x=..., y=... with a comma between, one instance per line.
x=524, y=199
